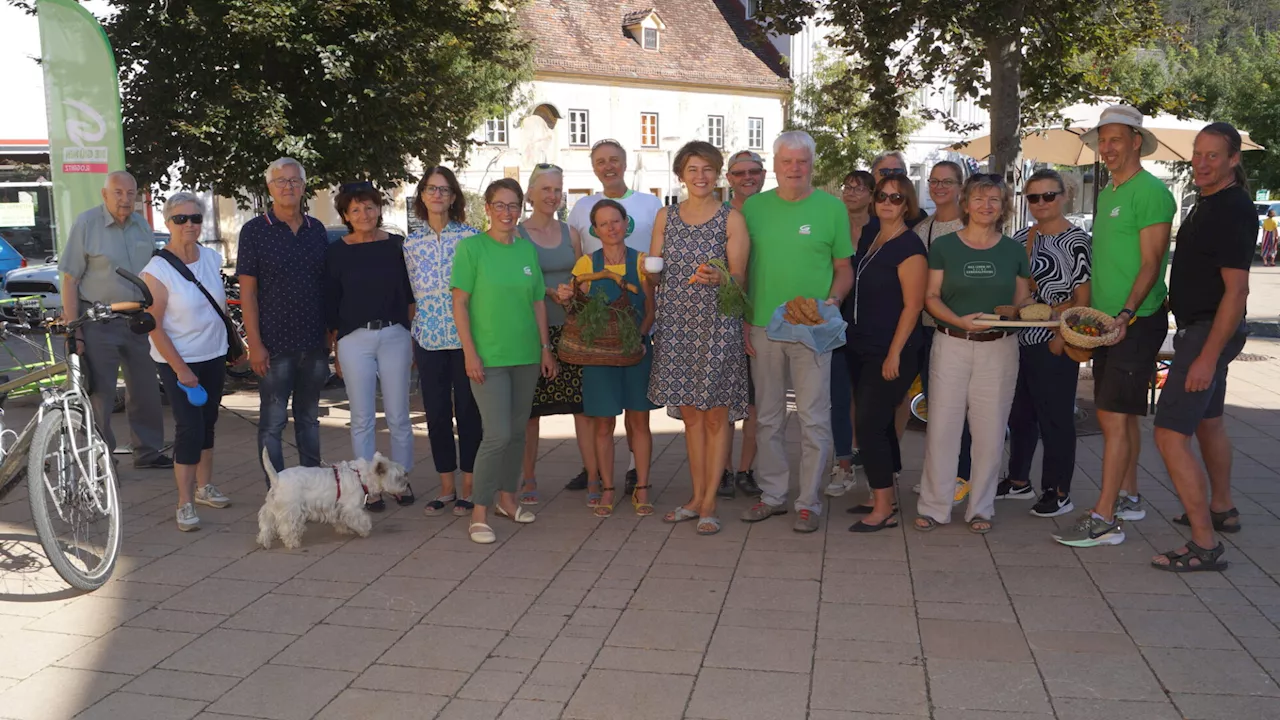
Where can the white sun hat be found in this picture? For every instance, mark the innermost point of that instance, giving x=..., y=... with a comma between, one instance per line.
x=1122, y=115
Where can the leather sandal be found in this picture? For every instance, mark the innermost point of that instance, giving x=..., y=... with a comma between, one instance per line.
x=603, y=509
x=1209, y=560
x=643, y=509
x=1219, y=520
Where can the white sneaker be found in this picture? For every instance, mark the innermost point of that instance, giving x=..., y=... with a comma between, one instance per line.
x=210, y=495
x=842, y=481
x=187, y=518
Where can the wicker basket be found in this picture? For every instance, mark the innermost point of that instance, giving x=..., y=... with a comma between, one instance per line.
x=606, y=349
x=1087, y=342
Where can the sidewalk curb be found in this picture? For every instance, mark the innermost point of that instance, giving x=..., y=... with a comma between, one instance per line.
x=1269, y=329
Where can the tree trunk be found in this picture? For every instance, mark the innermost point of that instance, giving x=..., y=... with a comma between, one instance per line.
x=1004, y=55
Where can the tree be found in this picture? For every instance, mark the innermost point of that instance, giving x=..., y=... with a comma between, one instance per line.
x=829, y=105
x=354, y=89
x=1012, y=56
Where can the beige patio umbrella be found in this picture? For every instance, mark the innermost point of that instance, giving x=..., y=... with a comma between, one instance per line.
x=1062, y=145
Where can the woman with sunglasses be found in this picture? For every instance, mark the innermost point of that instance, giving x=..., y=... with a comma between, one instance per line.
x=884, y=334
x=855, y=193
x=699, y=354
x=189, y=345
x=500, y=310
x=1045, y=400
x=973, y=368
x=559, y=247
x=442, y=374
x=368, y=303
x=945, y=180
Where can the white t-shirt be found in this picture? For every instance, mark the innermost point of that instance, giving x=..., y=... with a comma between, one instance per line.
x=642, y=210
x=189, y=320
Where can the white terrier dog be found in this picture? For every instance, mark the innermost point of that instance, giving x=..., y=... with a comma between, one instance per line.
x=333, y=495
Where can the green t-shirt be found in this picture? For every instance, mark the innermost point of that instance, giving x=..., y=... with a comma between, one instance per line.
x=1142, y=201
x=976, y=281
x=504, y=282
x=792, y=246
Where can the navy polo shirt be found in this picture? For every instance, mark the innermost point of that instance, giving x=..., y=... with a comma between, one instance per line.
x=290, y=273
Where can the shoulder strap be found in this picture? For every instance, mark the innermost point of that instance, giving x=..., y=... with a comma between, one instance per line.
x=1032, y=233
x=522, y=232
x=182, y=269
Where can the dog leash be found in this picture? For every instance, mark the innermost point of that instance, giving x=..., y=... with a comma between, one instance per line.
x=338, y=481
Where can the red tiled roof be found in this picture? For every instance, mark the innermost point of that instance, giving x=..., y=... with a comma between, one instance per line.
x=705, y=41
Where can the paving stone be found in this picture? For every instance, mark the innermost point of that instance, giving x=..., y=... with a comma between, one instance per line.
x=868, y=622
x=661, y=630
x=27, y=652
x=1220, y=672
x=723, y=694
x=678, y=662
x=968, y=685
x=1049, y=582
x=1225, y=707
x=532, y=710
x=412, y=680
x=443, y=648
x=358, y=703
x=783, y=566
x=178, y=570
x=1121, y=578
x=89, y=615
x=44, y=696
x=228, y=652
x=219, y=596
x=968, y=612
x=866, y=588
x=348, y=567
x=1083, y=642
x=374, y=618
x=1153, y=628
x=1096, y=676
x=558, y=674
x=703, y=596
x=417, y=595
x=462, y=709
x=131, y=706
x=1082, y=709
x=958, y=588
x=127, y=650
x=480, y=610
x=869, y=651
x=1002, y=642
x=280, y=692
x=336, y=647
x=761, y=649
x=492, y=685
x=341, y=590
x=184, y=685
x=1051, y=614
x=267, y=567
x=573, y=649
x=881, y=687
x=609, y=694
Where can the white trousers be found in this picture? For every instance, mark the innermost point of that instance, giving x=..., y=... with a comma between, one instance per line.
x=975, y=380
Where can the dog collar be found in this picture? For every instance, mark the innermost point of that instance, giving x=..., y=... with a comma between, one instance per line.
x=338, y=481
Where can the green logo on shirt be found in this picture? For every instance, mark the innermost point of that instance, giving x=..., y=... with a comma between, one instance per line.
x=979, y=269
x=631, y=227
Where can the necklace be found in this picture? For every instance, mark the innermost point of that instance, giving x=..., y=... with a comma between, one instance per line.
x=863, y=263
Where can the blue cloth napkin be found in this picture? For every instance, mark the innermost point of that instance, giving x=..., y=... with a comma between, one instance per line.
x=819, y=338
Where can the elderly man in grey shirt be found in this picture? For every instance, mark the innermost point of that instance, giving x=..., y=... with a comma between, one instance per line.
x=102, y=239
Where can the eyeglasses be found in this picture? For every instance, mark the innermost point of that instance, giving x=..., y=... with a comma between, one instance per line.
x=890, y=172
x=355, y=186
x=855, y=189
x=288, y=182
x=894, y=198
x=753, y=172
x=194, y=219
x=992, y=177
x=1035, y=198
x=606, y=141
x=943, y=182
x=437, y=190
x=511, y=208
x=547, y=166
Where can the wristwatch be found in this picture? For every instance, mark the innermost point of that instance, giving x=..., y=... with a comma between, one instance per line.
x=1125, y=311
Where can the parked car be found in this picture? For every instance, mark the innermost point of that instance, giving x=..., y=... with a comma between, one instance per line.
x=38, y=282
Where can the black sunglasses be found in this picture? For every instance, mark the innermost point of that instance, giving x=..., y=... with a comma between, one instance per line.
x=355, y=186
x=546, y=166
x=194, y=219
x=993, y=177
x=1035, y=198
x=890, y=172
x=895, y=198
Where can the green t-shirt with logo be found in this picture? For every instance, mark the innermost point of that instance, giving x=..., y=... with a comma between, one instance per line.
x=792, y=246
x=976, y=281
x=1142, y=201
x=504, y=282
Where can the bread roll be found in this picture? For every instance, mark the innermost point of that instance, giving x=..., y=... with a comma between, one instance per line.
x=1036, y=312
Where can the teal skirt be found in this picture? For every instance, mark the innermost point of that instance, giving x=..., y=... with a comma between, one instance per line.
x=608, y=391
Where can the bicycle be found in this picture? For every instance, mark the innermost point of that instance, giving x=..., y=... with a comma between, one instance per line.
x=70, y=475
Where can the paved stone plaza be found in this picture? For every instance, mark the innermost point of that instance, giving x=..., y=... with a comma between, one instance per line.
x=625, y=618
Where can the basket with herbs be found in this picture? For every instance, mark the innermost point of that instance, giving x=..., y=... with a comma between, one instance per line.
x=598, y=332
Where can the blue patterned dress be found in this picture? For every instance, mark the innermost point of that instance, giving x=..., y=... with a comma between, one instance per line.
x=699, y=357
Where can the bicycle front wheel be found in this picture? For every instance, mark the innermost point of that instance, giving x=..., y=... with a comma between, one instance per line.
x=75, y=506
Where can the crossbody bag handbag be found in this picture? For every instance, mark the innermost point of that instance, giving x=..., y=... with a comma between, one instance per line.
x=235, y=347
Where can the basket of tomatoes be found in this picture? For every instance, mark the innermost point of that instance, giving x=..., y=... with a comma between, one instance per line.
x=1085, y=327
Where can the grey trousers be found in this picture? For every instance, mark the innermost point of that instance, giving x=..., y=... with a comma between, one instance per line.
x=108, y=346
x=810, y=375
x=505, y=399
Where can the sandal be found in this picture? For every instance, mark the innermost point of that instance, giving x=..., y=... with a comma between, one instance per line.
x=463, y=507
x=863, y=527
x=679, y=515
x=481, y=534
x=530, y=497
x=593, y=498
x=407, y=498
x=603, y=509
x=708, y=525
x=925, y=524
x=1210, y=560
x=643, y=509
x=1219, y=520
x=866, y=509
x=377, y=505
x=437, y=506
x=975, y=525
x=522, y=516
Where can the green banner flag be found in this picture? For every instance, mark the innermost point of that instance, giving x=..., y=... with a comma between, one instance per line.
x=82, y=99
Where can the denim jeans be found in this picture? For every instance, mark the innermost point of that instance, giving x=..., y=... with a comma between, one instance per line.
x=841, y=402
x=375, y=360
x=300, y=374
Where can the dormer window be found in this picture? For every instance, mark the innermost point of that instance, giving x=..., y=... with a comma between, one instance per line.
x=644, y=26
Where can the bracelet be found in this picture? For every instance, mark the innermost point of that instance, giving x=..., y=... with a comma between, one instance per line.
x=547, y=347
x=1126, y=310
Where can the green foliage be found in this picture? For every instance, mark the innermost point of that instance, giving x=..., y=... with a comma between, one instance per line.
x=731, y=300
x=832, y=106
x=1012, y=56
x=354, y=89
x=594, y=314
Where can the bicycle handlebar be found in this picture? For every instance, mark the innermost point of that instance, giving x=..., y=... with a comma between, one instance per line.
x=126, y=307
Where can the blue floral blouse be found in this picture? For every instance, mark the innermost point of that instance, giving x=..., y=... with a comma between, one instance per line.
x=429, y=257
